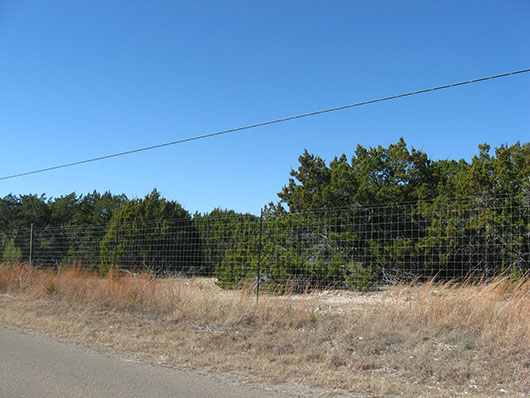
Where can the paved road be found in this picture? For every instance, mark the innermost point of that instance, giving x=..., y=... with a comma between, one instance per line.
x=39, y=366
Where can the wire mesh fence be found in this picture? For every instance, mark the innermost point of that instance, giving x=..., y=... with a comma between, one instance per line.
x=356, y=247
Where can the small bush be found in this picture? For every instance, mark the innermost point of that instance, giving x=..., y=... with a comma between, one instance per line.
x=12, y=253
x=359, y=277
x=50, y=288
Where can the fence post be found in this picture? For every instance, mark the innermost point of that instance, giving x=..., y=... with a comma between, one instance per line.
x=259, y=255
x=116, y=243
x=31, y=245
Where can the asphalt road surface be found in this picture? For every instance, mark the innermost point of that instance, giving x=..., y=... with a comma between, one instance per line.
x=40, y=366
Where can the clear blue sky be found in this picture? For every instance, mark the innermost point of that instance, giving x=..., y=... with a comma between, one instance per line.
x=80, y=79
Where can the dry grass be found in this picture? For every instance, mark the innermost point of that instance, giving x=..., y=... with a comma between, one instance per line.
x=410, y=340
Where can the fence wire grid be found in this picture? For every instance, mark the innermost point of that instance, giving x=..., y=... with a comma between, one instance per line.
x=352, y=248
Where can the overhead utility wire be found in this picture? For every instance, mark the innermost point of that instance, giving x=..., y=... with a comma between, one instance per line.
x=200, y=137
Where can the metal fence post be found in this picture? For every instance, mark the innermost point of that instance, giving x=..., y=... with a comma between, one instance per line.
x=31, y=245
x=116, y=243
x=259, y=254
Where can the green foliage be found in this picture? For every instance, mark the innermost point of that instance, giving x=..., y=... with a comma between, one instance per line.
x=396, y=174
x=445, y=218
x=359, y=277
x=50, y=289
x=220, y=231
x=232, y=244
x=235, y=268
x=11, y=254
x=152, y=234
x=373, y=175
x=67, y=229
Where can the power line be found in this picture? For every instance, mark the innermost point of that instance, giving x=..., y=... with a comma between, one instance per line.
x=199, y=137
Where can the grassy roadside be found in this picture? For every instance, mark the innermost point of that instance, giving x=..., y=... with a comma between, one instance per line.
x=420, y=340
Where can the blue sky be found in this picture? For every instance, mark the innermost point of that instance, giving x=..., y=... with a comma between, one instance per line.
x=85, y=79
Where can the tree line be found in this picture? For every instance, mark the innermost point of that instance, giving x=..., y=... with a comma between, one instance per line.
x=391, y=212
x=351, y=222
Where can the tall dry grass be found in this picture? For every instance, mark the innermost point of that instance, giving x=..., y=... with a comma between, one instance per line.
x=496, y=311
x=176, y=298
x=428, y=339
